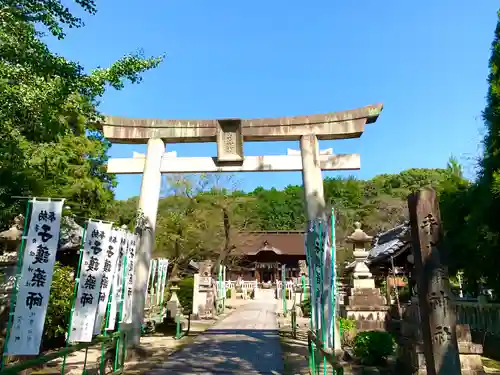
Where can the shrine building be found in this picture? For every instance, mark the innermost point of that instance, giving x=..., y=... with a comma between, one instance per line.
x=260, y=255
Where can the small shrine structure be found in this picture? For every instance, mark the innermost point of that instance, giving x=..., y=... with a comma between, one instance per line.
x=262, y=253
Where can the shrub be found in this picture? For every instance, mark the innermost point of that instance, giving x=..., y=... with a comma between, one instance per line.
x=59, y=307
x=373, y=347
x=228, y=293
x=305, y=305
x=185, y=294
x=348, y=331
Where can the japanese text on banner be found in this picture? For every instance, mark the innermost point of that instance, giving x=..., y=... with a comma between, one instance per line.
x=109, y=268
x=164, y=275
x=35, y=279
x=118, y=279
x=132, y=240
x=91, y=275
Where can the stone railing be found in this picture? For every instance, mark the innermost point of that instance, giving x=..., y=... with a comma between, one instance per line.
x=242, y=284
x=288, y=286
x=479, y=316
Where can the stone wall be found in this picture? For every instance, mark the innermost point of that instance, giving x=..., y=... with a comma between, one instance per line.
x=411, y=358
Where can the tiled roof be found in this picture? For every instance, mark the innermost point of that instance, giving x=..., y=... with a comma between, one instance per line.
x=387, y=243
x=281, y=242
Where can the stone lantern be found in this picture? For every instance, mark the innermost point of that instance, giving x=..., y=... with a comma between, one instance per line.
x=10, y=242
x=173, y=304
x=363, y=278
x=365, y=304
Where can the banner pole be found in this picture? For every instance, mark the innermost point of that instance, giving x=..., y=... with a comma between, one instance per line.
x=323, y=241
x=105, y=333
x=120, y=313
x=75, y=292
x=159, y=280
x=16, y=281
x=310, y=240
x=334, y=282
x=151, y=295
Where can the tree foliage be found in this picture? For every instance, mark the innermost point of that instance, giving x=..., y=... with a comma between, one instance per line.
x=48, y=111
x=190, y=222
x=482, y=201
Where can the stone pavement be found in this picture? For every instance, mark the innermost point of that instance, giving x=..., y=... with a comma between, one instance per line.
x=246, y=342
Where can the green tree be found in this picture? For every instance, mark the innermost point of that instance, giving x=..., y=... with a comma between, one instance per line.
x=48, y=111
x=485, y=199
x=199, y=219
x=59, y=307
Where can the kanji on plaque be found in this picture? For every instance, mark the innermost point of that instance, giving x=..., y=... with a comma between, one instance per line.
x=35, y=278
x=110, y=260
x=117, y=289
x=132, y=242
x=91, y=275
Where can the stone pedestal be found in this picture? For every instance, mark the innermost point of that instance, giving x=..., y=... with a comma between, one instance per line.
x=206, y=293
x=196, y=296
x=411, y=356
x=173, y=305
x=368, y=307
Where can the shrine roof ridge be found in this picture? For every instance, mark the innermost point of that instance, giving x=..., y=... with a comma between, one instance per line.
x=291, y=231
x=333, y=125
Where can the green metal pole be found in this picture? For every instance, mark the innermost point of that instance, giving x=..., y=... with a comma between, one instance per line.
x=322, y=298
x=164, y=273
x=315, y=278
x=75, y=291
x=120, y=314
x=309, y=252
x=16, y=282
x=158, y=287
x=151, y=295
x=105, y=333
x=334, y=280
x=283, y=288
x=177, y=325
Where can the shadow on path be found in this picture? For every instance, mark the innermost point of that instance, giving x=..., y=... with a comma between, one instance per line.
x=247, y=342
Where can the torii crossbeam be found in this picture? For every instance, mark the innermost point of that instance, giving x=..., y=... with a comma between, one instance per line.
x=229, y=135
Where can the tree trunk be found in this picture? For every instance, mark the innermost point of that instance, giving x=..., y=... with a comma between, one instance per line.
x=225, y=251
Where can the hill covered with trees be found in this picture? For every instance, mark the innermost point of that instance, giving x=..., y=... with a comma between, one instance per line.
x=200, y=216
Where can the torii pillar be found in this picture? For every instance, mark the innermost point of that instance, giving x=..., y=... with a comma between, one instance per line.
x=229, y=135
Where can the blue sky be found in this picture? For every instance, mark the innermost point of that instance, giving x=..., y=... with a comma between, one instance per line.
x=427, y=61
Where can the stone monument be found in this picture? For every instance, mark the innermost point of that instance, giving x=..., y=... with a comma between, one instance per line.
x=440, y=345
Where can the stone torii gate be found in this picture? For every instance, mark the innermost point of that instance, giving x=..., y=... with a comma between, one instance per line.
x=230, y=135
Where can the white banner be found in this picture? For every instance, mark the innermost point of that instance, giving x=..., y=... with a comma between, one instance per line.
x=327, y=285
x=164, y=279
x=132, y=240
x=118, y=281
x=89, y=286
x=314, y=246
x=159, y=280
x=151, y=277
x=110, y=260
x=35, y=278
